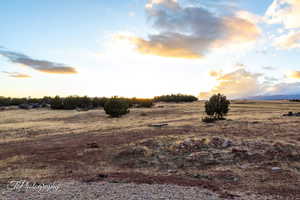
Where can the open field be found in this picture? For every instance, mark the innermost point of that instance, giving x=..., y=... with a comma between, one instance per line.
x=256, y=150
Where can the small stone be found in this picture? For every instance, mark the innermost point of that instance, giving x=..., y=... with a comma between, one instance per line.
x=161, y=157
x=276, y=168
x=93, y=145
x=226, y=144
x=102, y=175
x=172, y=171
x=187, y=142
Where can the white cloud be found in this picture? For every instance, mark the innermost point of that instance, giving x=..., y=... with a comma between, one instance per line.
x=242, y=83
x=286, y=12
x=237, y=84
x=288, y=41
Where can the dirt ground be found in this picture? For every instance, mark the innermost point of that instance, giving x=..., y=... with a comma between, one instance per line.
x=256, y=150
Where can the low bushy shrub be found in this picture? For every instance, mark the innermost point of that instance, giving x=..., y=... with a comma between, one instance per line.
x=177, y=98
x=99, y=101
x=4, y=101
x=116, y=107
x=217, y=106
x=57, y=103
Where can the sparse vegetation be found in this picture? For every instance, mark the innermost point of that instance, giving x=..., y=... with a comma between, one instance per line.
x=216, y=107
x=295, y=100
x=116, y=107
x=177, y=98
x=226, y=153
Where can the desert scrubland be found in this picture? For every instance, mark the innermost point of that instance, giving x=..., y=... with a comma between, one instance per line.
x=255, y=150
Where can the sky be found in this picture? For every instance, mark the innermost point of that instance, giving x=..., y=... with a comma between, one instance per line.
x=146, y=48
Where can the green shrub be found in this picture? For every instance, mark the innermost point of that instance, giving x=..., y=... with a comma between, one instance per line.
x=217, y=106
x=4, y=101
x=116, y=107
x=99, y=102
x=295, y=100
x=70, y=103
x=18, y=101
x=175, y=98
x=83, y=102
x=208, y=119
x=57, y=103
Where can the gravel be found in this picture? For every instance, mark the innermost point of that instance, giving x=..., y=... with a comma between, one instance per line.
x=111, y=191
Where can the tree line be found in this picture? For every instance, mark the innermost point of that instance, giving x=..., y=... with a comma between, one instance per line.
x=85, y=102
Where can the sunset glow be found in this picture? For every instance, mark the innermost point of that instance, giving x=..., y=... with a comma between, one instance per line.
x=147, y=48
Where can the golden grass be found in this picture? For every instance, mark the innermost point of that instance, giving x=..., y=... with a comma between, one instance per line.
x=29, y=124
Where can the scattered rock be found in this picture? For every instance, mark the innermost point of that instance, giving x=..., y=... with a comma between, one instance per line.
x=226, y=144
x=191, y=145
x=217, y=142
x=240, y=153
x=291, y=114
x=201, y=158
x=93, y=145
x=102, y=175
x=162, y=157
x=276, y=168
x=187, y=142
x=158, y=125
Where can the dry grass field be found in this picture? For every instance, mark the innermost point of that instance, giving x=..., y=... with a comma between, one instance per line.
x=255, y=150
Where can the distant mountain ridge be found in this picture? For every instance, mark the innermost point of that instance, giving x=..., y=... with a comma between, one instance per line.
x=274, y=97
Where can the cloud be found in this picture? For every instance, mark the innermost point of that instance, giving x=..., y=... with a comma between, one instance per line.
x=251, y=17
x=294, y=75
x=284, y=89
x=286, y=12
x=242, y=83
x=39, y=65
x=158, y=48
x=172, y=4
x=268, y=68
x=270, y=80
x=237, y=84
x=214, y=73
x=190, y=32
x=288, y=41
x=17, y=75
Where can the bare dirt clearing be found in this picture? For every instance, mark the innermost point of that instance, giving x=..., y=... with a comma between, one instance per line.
x=255, y=150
